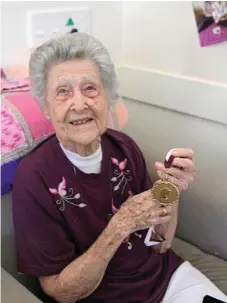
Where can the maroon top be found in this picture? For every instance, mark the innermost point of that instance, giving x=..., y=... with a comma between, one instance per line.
x=59, y=212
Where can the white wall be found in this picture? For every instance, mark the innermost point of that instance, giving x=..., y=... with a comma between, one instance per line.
x=177, y=97
x=163, y=36
x=164, y=65
x=203, y=207
x=106, y=25
x=136, y=33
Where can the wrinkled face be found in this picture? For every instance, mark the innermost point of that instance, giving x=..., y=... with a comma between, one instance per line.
x=76, y=102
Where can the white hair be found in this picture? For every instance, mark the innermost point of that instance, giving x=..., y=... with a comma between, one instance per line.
x=69, y=47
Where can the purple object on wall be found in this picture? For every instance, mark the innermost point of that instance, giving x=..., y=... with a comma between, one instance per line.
x=207, y=37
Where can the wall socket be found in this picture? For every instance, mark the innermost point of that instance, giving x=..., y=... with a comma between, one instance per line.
x=44, y=25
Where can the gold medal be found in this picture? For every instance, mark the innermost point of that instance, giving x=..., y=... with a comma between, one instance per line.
x=165, y=193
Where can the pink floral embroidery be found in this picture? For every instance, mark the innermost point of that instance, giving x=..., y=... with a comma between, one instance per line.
x=121, y=176
x=121, y=165
x=63, y=197
x=114, y=209
x=130, y=193
x=115, y=161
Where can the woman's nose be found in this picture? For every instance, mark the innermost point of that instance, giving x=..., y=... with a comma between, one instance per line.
x=79, y=103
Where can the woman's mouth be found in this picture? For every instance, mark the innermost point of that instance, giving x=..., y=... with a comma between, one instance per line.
x=81, y=121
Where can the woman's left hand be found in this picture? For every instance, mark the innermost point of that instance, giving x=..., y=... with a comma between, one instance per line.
x=182, y=171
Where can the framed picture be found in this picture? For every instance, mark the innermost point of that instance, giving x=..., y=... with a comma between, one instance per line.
x=211, y=21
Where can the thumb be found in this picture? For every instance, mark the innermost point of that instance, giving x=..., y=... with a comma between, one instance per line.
x=159, y=166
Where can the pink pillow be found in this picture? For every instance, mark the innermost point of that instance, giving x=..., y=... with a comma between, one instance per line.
x=28, y=108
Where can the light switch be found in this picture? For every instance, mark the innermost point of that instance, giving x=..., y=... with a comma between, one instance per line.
x=44, y=25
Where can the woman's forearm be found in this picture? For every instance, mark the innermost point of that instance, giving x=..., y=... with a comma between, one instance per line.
x=82, y=276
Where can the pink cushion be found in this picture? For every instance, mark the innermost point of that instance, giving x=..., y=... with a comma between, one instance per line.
x=13, y=136
x=27, y=106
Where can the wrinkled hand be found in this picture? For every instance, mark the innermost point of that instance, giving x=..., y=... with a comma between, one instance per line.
x=182, y=171
x=140, y=212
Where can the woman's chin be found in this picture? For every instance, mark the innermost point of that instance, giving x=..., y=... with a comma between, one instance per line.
x=85, y=139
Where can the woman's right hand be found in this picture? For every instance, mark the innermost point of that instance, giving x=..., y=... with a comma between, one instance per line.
x=141, y=212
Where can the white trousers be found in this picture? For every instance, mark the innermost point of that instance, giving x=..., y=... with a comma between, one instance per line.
x=189, y=285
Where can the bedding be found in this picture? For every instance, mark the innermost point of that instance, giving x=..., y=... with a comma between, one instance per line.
x=23, y=127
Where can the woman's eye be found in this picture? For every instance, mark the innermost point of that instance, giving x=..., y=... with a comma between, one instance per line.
x=62, y=91
x=62, y=94
x=90, y=88
x=90, y=91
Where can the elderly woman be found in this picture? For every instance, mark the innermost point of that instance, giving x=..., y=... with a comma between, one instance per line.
x=81, y=199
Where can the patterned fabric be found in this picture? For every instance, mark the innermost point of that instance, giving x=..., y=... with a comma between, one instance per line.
x=36, y=123
x=12, y=133
x=28, y=126
x=65, y=195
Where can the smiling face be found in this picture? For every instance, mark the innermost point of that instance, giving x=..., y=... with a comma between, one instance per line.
x=76, y=103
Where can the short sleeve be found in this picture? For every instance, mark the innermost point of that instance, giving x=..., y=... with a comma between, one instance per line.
x=43, y=244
